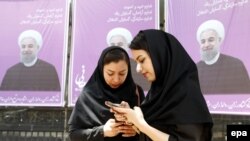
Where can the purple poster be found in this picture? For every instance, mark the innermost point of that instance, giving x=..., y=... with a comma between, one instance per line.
x=32, y=56
x=216, y=35
x=94, y=25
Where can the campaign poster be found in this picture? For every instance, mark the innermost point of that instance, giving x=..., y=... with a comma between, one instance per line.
x=216, y=35
x=33, y=54
x=93, y=24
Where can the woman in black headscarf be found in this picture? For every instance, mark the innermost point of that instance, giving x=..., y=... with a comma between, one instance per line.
x=112, y=81
x=174, y=108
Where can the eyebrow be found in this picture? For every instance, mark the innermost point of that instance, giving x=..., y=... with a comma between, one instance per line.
x=114, y=71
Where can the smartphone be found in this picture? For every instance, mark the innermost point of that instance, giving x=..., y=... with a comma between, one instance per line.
x=111, y=104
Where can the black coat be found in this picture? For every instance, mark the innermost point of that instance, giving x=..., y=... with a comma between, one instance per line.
x=174, y=103
x=90, y=112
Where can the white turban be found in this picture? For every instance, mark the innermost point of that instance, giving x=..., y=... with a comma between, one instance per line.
x=119, y=31
x=211, y=24
x=32, y=34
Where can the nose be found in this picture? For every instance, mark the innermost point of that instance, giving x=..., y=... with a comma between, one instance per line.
x=138, y=68
x=116, y=79
x=204, y=46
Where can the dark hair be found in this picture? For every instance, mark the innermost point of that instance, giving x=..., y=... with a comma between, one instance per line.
x=139, y=42
x=115, y=55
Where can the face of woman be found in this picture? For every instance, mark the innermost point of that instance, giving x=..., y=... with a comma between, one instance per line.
x=115, y=73
x=144, y=64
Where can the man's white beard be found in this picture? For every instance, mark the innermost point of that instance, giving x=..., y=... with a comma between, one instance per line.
x=209, y=54
x=28, y=59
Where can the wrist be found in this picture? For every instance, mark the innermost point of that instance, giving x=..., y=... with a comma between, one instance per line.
x=103, y=131
x=142, y=126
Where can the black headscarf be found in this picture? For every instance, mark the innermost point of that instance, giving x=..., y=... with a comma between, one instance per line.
x=175, y=96
x=90, y=109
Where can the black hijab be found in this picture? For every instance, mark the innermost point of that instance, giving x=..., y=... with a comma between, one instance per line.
x=175, y=96
x=90, y=109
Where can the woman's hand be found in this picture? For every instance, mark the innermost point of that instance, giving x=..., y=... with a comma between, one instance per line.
x=127, y=130
x=131, y=116
x=135, y=116
x=111, y=128
x=124, y=104
x=119, y=116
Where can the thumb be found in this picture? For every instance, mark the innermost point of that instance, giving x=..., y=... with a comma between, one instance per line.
x=125, y=104
x=137, y=109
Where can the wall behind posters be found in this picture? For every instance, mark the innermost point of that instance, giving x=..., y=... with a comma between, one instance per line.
x=50, y=18
x=183, y=19
x=90, y=29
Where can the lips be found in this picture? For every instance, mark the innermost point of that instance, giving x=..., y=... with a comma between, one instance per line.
x=207, y=48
